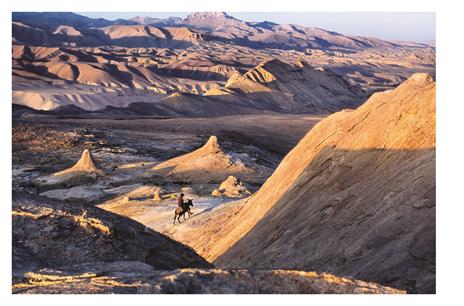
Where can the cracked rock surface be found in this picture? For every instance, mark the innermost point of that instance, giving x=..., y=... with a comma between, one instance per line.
x=137, y=277
x=355, y=197
x=49, y=234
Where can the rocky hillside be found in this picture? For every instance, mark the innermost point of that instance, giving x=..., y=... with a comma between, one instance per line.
x=355, y=197
x=51, y=234
x=295, y=88
x=136, y=277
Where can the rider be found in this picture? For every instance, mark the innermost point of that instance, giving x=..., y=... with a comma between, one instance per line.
x=180, y=200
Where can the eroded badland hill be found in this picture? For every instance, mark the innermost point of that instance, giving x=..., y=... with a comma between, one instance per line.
x=308, y=155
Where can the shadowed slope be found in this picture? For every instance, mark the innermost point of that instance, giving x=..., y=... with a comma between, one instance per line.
x=295, y=88
x=136, y=277
x=49, y=233
x=355, y=197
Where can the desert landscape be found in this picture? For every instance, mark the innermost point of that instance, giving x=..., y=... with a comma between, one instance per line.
x=309, y=157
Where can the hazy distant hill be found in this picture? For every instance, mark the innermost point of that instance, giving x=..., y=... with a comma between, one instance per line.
x=217, y=25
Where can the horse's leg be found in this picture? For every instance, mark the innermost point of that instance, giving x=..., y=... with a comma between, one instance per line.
x=175, y=215
x=178, y=219
x=184, y=215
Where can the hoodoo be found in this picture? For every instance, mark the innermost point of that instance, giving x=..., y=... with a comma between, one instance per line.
x=85, y=164
x=211, y=164
x=83, y=172
x=231, y=187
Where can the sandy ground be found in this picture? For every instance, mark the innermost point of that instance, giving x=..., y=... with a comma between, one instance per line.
x=159, y=216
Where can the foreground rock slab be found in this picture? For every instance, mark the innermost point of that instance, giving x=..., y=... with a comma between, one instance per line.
x=137, y=277
x=50, y=234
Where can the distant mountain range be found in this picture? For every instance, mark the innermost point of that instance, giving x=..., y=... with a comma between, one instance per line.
x=207, y=64
x=69, y=29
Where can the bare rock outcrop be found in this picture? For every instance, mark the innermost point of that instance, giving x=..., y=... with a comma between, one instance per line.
x=85, y=193
x=137, y=277
x=84, y=171
x=51, y=234
x=136, y=195
x=85, y=164
x=355, y=197
x=232, y=188
x=211, y=164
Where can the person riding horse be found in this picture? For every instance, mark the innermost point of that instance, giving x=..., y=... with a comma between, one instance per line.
x=180, y=200
x=182, y=208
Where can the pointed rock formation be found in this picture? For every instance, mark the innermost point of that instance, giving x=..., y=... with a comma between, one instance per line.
x=86, y=164
x=356, y=197
x=232, y=188
x=210, y=164
x=157, y=196
x=210, y=147
x=84, y=171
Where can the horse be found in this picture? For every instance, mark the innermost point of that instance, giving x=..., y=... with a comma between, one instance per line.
x=180, y=211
